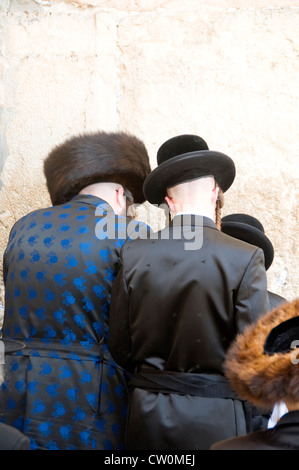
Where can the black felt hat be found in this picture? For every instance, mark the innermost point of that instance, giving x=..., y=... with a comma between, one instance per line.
x=185, y=158
x=249, y=229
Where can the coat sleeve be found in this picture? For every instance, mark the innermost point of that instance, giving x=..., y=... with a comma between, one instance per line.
x=119, y=341
x=252, y=297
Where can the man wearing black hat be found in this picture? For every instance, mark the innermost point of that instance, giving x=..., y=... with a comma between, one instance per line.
x=249, y=229
x=262, y=366
x=64, y=390
x=178, y=302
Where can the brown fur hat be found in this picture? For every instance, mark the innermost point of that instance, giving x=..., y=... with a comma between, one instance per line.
x=257, y=376
x=96, y=157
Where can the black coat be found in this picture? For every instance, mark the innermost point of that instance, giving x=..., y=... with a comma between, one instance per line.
x=174, y=312
x=284, y=436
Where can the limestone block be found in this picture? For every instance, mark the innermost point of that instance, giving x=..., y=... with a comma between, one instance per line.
x=4, y=5
x=35, y=36
x=178, y=5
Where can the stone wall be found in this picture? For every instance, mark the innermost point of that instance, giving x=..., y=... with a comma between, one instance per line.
x=157, y=68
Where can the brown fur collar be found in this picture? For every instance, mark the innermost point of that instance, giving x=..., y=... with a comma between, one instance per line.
x=260, y=378
x=97, y=157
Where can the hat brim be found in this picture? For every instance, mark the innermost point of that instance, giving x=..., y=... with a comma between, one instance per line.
x=11, y=345
x=201, y=163
x=251, y=235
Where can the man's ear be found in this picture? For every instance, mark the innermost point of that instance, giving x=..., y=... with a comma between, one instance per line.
x=170, y=203
x=120, y=194
x=120, y=199
x=215, y=193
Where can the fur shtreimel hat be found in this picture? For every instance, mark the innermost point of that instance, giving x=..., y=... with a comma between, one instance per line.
x=184, y=158
x=96, y=157
x=262, y=365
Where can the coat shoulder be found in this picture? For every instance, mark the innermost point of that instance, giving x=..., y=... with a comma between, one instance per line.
x=236, y=244
x=252, y=441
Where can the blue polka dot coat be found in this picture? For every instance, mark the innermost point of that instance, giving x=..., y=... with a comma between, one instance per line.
x=63, y=390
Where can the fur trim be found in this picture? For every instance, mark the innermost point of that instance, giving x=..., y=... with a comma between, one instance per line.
x=260, y=378
x=98, y=157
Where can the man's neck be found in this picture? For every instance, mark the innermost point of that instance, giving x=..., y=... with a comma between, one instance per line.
x=196, y=212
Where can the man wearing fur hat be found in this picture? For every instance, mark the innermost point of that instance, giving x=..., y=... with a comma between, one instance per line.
x=262, y=366
x=178, y=303
x=64, y=390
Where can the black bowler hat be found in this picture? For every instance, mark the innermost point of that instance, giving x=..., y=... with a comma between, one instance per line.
x=185, y=158
x=249, y=229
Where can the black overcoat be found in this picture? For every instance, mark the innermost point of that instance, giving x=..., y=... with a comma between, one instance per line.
x=174, y=312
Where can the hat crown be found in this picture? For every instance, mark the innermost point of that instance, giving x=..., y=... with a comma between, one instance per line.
x=91, y=158
x=244, y=219
x=180, y=145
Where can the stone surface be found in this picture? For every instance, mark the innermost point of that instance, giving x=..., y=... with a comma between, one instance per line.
x=157, y=68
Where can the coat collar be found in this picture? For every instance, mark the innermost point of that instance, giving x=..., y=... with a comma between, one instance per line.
x=101, y=205
x=193, y=220
x=292, y=417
